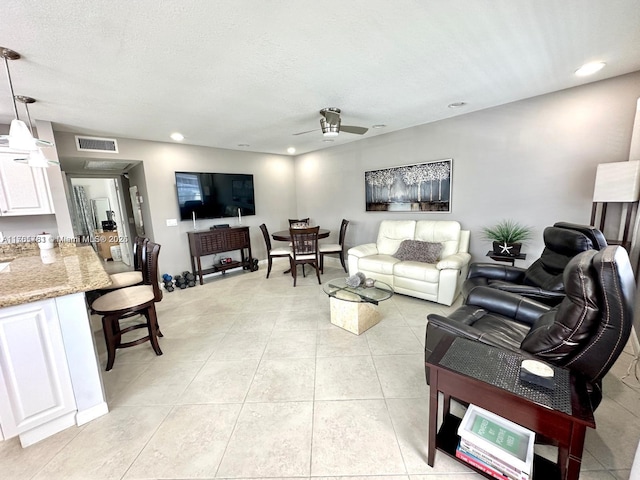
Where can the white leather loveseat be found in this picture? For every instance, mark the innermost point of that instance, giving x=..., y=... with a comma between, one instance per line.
x=439, y=281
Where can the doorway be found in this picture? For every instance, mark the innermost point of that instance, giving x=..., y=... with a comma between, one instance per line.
x=101, y=216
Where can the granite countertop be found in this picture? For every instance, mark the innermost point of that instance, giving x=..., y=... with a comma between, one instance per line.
x=28, y=274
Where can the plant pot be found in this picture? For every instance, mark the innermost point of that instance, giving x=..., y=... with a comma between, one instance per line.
x=511, y=250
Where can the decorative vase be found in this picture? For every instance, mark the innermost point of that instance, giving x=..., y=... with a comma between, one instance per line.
x=506, y=249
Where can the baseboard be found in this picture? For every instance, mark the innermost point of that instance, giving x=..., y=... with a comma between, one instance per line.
x=48, y=429
x=92, y=413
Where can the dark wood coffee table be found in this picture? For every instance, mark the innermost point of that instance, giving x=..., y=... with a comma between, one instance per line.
x=475, y=373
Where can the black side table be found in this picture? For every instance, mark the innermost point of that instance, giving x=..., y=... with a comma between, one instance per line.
x=506, y=258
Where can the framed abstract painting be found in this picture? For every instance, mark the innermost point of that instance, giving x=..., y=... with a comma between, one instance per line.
x=422, y=187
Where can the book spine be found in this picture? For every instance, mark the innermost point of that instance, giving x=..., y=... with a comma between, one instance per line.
x=487, y=457
x=476, y=463
x=499, y=454
x=504, y=472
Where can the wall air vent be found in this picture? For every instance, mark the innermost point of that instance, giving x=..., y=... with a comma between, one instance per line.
x=96, y=144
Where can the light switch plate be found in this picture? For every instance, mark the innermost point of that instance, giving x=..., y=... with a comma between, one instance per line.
x=172, y=222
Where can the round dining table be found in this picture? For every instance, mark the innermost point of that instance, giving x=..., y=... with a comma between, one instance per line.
x=285, y=236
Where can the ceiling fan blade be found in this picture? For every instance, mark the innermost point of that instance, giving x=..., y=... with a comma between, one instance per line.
x=308, y=131
x=332, y=117
x=353, y=129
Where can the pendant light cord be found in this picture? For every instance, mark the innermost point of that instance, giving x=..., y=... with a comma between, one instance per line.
x=13, y=97
x=26, y=107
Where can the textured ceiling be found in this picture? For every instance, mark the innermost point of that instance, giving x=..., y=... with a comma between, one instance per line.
x=227, y=72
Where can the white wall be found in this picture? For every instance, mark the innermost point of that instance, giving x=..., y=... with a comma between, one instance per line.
x=533, y=161
x=28, y=226
x=274, y=186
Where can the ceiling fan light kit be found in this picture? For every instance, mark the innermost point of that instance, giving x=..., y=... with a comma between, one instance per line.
x=329, y=130
x=20, y=139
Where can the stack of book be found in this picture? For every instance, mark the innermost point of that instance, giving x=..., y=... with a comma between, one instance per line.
x=495, y=446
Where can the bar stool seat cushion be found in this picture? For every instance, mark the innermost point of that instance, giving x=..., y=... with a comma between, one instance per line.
x=124, y=299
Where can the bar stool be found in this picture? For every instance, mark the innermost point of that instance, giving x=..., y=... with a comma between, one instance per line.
x=131, y=301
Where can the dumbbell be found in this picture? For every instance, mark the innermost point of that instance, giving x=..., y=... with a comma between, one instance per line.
x=180, y=281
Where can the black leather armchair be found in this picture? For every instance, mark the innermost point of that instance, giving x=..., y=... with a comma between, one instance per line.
x=542, y=281
x=586, y=332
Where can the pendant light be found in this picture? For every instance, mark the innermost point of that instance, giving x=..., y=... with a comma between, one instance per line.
x=20, y=139
x=35, y=158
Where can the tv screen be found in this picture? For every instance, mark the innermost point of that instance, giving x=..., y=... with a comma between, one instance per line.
x=214, y=195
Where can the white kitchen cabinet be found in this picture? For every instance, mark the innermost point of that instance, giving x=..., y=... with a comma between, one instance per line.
x=36, y=393
x=23, y=190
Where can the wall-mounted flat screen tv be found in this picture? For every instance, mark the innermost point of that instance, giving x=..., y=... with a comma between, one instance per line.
x=214, y=195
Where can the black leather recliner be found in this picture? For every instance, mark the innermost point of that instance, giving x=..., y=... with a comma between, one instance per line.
x=586, y=332
x=542, y=281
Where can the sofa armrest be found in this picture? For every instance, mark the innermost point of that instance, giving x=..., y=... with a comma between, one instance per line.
x=517, y=307
x=459, y=329
x=497, y=272
x=457, y=261
x=363, y=250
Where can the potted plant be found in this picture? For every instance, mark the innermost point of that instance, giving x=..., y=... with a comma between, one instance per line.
x=507, y=237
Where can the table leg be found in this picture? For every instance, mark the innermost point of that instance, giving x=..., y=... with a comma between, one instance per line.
x=433, y=417
x=571, y=457
x=446, y=405
x=200, y=270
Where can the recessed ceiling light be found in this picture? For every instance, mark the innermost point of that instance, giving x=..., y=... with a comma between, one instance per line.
x=178, y=137
x=378, y=126
x=291, y=150
x=590, y=68
x=243, y=144
x=456, y=104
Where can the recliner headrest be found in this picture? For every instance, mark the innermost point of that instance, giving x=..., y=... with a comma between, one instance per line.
x=592, y=233
x=566, y=242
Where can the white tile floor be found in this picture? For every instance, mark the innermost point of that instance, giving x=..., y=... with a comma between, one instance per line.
x=255, y=382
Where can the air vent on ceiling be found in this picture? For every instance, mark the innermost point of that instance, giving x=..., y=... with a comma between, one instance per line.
x=96, y=144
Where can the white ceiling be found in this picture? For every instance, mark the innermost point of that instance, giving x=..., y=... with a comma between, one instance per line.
x=232, y=72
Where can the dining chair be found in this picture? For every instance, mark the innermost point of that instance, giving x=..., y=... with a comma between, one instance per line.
x=304, y=250
x=272, y=252
x=298, y=222
x=130, y=302
x=333, y=248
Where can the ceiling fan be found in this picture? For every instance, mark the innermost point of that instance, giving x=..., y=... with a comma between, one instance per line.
x=330, y=124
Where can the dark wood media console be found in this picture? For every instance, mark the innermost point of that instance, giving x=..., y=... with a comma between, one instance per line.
x=210, y=242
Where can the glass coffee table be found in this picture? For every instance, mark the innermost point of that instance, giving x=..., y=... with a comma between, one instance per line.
x=354, y=309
